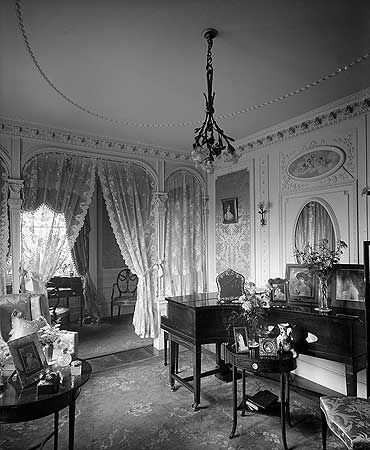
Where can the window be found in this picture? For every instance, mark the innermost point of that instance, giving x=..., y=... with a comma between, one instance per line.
x=45, y=247
x=313, y=225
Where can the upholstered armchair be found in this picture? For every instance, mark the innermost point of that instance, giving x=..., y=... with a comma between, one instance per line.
x=230, y=285
x=31, y=307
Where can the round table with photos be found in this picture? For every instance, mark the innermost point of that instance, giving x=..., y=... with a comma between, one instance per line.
x=283, y=363
x=19, y=404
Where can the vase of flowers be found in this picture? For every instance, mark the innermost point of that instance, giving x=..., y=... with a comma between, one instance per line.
x=4, y=357
x=320, y=260
x=253, y=315
x=47, y=336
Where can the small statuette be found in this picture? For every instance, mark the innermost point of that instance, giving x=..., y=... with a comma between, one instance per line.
x=64, y=359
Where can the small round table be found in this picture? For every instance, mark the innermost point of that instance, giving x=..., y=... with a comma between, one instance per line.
x=281, y=364
x=21, y=405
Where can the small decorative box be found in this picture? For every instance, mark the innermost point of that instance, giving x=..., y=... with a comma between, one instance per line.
x=48, y=384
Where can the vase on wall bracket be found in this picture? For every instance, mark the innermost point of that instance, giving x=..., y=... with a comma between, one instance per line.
x=323, y=301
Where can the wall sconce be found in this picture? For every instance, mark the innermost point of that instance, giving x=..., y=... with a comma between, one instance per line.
x=262, y=211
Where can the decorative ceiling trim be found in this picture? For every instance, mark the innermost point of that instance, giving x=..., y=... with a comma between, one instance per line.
x=54, y=136
x=333, y=117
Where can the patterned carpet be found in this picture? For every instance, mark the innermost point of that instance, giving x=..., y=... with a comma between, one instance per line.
x=108, y=336
x=127, y=404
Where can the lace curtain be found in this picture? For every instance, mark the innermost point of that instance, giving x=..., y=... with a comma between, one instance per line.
x=59, y=188
x=4, y=227
x=184, y=236
x=313, y=225
x=128, y=194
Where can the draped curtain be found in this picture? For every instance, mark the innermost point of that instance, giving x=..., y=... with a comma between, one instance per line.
x=313, y=225
x=4, y=227
x=61, y=187
x=80, y=254
x=184, y=235
x=128, y=193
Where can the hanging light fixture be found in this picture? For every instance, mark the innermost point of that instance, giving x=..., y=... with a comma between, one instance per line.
x=210, y=140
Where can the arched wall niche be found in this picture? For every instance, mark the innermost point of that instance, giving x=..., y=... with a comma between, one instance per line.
x=190, y=171
x=40, y=149
x=329, y=211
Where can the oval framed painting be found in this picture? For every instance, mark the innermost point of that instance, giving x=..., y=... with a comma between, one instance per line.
x=320, y=162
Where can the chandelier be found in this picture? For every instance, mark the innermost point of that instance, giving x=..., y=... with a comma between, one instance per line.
x=210, y=140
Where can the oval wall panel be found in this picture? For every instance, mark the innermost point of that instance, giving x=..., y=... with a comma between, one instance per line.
x=320, y=162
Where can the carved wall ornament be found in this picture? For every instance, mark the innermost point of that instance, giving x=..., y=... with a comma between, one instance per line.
x=317, y=163
x=62, y=137
x=331, y=118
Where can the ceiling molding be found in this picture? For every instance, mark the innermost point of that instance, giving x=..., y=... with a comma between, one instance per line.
x=331, y=114
x=84, y=141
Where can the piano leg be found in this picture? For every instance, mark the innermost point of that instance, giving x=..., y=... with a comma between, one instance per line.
x=173, y=353
x=197, y=352
x=351, y=380
x=225, y=372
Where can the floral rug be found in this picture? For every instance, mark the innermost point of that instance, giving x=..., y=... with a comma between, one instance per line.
x=108, y=336
x=132, y=407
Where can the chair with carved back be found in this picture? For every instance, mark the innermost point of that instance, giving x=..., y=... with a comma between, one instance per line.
x=124, y=290
x=230, y=285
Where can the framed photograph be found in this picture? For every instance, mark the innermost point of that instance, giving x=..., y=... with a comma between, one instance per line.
x=348, y=284
x=28, y=357
x=279, y=290
x=268, y=347
x=241, y=339
x=302, y=284
x=230, y=210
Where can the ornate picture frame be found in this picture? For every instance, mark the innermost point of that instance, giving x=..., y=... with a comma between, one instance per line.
x=28, y=357
x=230, y=210
x=279, y=290
x=302, y=284
x=348, y=286
x=268, y=347
x=241, y=339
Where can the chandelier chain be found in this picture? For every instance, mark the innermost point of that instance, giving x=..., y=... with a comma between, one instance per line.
x=101, y=116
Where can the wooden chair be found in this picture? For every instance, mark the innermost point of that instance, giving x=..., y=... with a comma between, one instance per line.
x=230, y=285
x=57, y=313
x=348, y=418
x=124, y=290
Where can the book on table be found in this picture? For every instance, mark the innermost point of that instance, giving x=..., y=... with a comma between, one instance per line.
x=261, y=400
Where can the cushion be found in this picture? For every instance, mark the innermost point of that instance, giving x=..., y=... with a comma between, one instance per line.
x=31, y=306
x=23, y=327
x=349, y=419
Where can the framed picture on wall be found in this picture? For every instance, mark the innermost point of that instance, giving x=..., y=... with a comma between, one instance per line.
x=230, y=210
x=348, y=285
x=302, y=284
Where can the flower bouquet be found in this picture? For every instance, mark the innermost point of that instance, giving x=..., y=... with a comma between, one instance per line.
x=320, y=260
x=4, y=358
x=254, y=313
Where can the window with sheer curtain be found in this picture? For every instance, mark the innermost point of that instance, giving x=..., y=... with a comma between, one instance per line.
x=5, y=259
x=313, y=225
x=57, y=193
x=184, y=235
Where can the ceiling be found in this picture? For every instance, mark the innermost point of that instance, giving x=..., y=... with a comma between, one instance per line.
x=144, y=61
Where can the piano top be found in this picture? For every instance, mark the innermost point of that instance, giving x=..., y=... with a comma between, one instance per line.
x=207, y=299
x=199, y=300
